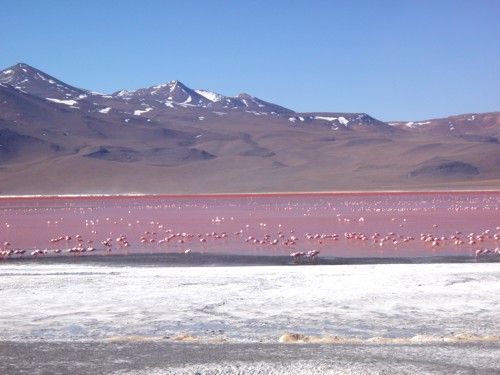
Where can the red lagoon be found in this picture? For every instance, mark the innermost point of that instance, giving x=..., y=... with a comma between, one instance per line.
x=322, y=225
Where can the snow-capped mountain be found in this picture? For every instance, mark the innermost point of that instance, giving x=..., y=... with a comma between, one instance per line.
x=175, y=93
x=157, y=100
x=169, y=138
x=172, y=94
x=33, y=81
x=153, y=102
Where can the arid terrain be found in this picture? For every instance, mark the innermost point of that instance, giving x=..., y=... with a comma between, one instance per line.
x=170, y=139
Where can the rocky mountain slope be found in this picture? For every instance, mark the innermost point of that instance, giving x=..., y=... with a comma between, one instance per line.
x=170, y=139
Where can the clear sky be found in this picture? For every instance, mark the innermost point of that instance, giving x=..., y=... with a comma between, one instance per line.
x=393, y=59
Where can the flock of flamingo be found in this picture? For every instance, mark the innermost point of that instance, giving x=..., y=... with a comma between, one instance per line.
x=79, y=247
x=365, y=227
x=480, y=244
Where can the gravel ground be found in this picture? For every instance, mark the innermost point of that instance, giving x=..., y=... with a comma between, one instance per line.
x=160, y=357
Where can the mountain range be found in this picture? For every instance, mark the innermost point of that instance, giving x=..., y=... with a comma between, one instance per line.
x=171, y=139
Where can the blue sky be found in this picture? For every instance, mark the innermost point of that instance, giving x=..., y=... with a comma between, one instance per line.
x=392, y=59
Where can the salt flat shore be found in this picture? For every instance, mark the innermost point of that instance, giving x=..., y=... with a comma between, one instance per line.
x=80, y=318
x=86, y=301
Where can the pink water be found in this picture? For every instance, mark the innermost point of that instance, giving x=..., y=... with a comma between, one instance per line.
x=391, y=223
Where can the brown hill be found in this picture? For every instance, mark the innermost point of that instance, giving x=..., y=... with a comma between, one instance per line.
x=169, y=139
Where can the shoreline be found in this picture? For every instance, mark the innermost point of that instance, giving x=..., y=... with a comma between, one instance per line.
x=250, y=195
x=198, y=259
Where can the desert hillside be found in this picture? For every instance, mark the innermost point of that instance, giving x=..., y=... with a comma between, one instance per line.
x=170, y=139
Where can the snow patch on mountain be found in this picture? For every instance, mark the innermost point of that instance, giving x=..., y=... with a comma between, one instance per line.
x=296, y=118
x=139, y=112
x=257, y=113
x=413, y=124
x=157, y=88
x=325, y=118
x=66, y=102
x=124, y=93
x=343, y=120
x=212, y=96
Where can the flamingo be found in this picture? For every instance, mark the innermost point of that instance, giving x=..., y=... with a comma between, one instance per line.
x=312, y=254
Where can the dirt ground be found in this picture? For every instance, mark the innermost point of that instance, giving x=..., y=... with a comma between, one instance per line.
x=146, y=357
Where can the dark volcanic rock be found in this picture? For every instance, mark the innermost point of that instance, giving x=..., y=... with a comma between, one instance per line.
x=444, y=168
x=119, y=154
x=479, y=138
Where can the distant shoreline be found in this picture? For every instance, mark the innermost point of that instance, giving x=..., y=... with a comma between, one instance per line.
x=229, y=195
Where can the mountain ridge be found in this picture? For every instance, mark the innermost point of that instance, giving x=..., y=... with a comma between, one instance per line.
x=170, y=139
